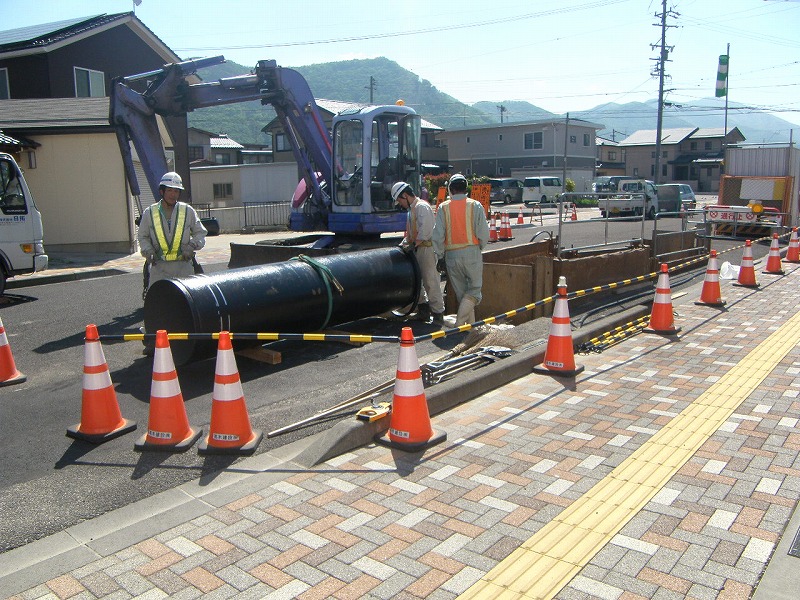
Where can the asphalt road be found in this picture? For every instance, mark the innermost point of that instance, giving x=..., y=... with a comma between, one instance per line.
x=51, y=481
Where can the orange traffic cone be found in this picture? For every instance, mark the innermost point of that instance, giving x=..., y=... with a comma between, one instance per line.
x=520, y=218
x=492, y=230
x=230, y=431
x=711, y=294
x=509, y=232
x=661, y=318
x=410, y=425
x=505, y=228
x=747, y=273
x=574, y=216
x=559, y=358
x=9, y=374
x=793, y=253
x=168, y=426
x=101, y=419
x=774, y=259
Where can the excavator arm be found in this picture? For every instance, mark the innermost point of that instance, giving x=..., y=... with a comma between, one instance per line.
x=133, y=116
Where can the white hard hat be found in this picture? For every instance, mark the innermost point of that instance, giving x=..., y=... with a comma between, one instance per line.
x=171, y=180
x=456, y=177
x=398, y=188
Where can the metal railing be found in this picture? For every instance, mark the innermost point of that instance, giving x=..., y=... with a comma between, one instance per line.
x=203, y=210
x=266, y=214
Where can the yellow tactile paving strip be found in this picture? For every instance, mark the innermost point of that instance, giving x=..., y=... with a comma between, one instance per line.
x=545, y=563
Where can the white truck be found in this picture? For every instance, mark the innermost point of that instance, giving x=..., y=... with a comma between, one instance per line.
x=633, y=197
x=21, y=233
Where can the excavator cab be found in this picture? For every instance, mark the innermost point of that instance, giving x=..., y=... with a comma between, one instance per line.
x=373, y=148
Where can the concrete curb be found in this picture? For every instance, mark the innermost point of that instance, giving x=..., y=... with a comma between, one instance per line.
x=22, y=282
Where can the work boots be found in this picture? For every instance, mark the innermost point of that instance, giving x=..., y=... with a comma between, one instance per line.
x=423, y=313
x=466, y=311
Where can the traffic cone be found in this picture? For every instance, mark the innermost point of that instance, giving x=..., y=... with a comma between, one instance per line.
x=574, y=216
x=520, y=218
x=168, y=428
x=793, y=253
x=774, y=259
x=230, y=431
x=661, y=318
x=711, y=294
x=559, y=358
x=410, y=425
x=509, y=233
x=9, y=374
x=747, y=274
x=101, y=419
x=492, y=230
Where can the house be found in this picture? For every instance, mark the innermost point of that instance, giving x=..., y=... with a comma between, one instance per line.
x=610, y=158
x=518, y=149
x=433, y=152
x=55, y=79
x=688, y=155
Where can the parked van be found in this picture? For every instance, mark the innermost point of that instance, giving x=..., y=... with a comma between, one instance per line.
x=21, y=243
x=669, y=197
x=505, y=190
x=540, y=190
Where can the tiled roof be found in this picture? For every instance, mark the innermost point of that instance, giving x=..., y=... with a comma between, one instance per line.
x=46, y=113
x=647, y=137
x=224, y=142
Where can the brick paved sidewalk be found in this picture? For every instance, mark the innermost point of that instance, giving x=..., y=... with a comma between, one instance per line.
x=377, y=523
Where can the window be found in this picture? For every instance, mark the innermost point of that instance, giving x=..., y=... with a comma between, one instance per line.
x=636, y=171
x=573, y=139
x=282, y=143
x=709, y=145
x=533, y=141
x=664, y=154
x=468, y=139
x=612, y=155
x=222, y=158
x=653, y=154
x=195, y=152
x=89, y=84
x=5, y=91
x=223, y=190
x=586, y=140
x=663, y=170
x=501, y=137
x=692, y=145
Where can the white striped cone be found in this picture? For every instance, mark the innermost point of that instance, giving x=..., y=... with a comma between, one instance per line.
x=711, y=294
x=101, y=419
x=410, y=424
x=520, y=218
x=493, y=230
x=661, y=317
x=747, y=273
x=230, y=431
x=9, y=374
x=168, y=426
x=559, y=358
x=793, y=253
x=774, y=266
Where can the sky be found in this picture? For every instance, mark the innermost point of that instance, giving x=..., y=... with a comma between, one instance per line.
x=562, y=56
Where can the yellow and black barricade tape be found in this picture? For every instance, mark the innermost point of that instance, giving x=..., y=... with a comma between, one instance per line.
x=265, y=337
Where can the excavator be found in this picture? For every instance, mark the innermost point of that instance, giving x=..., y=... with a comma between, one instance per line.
x=346, y=173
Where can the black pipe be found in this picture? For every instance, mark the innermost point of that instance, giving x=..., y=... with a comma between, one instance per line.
x=291, y=296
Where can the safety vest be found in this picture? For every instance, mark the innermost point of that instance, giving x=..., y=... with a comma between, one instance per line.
x=169, y=251
x=458, y=225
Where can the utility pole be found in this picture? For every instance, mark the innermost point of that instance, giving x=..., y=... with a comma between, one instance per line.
x=664, y=51
x=502, y=110
x=564, y=166
x=371, y=88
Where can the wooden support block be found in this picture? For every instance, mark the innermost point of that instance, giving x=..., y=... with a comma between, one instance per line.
x=261, y=354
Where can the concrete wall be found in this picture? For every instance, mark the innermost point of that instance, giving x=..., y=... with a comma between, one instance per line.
x=79, y=187
x=263, y=182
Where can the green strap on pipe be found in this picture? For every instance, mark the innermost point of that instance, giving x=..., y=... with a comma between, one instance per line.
x=327, y=278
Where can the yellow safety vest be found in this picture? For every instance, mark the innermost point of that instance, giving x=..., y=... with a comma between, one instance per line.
x=169, y=251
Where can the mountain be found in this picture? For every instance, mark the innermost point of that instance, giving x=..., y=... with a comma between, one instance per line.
x=350, y=81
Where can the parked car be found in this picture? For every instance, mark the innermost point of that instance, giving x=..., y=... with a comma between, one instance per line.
x=688, y=198
x=608, y=183
x=669, y=197
x=506, y=190
x=542, y=190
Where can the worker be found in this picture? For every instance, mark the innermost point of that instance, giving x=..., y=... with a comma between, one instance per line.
x=460, y=234
x=419, y=229
x=170, y=232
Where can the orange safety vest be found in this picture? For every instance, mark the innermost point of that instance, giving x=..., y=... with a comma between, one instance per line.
x=458, y=225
